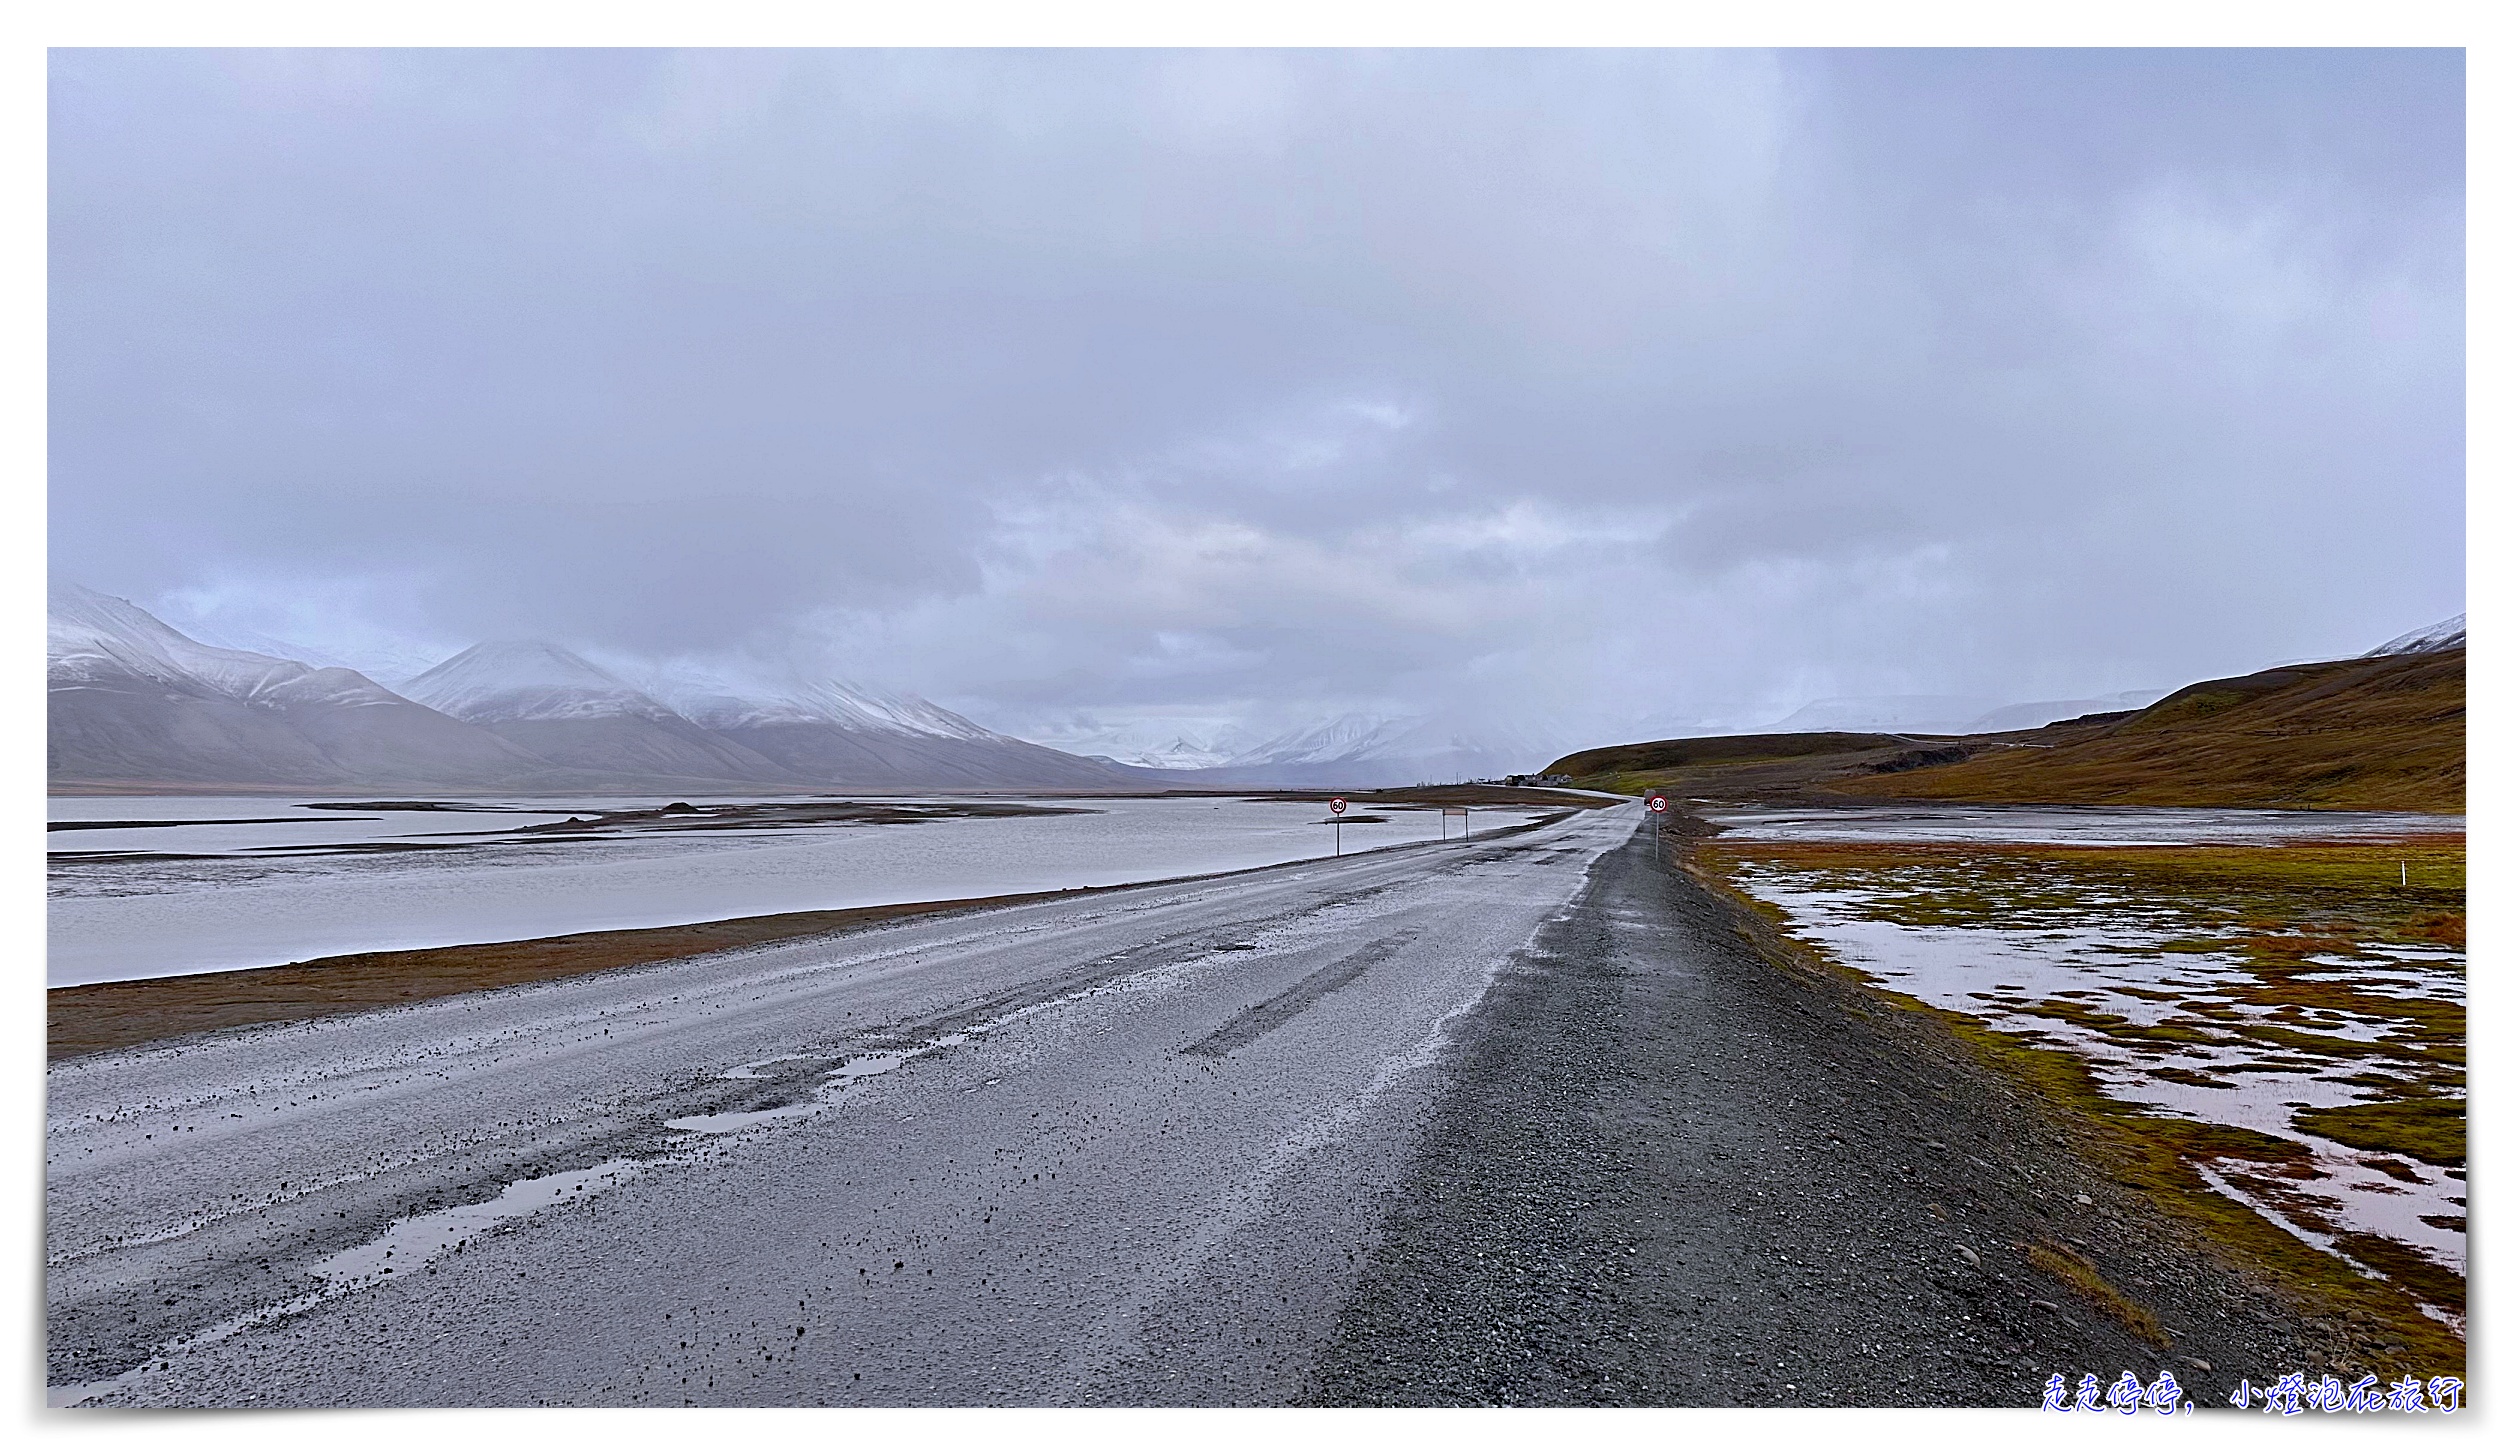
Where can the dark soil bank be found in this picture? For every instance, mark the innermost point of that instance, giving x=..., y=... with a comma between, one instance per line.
x=1672, y=1173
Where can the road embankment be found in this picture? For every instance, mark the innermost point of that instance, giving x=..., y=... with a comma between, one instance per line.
x=109, y=1015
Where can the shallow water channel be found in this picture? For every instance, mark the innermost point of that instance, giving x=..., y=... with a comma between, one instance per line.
x=142, y=887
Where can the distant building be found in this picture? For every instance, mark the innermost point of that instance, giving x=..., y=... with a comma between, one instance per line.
x=1538, y=780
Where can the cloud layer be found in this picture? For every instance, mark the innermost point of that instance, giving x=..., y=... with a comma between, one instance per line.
x=1605, y=389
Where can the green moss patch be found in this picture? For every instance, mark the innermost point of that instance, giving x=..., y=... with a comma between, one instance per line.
x=2071, y=1268
x=2431, y=1129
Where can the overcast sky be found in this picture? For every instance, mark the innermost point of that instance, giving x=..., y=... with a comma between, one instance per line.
x=1162, y=389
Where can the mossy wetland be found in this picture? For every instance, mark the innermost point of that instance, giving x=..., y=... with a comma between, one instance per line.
x=2280, y=1026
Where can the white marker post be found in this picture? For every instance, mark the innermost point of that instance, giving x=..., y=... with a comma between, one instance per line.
x=1335, y=806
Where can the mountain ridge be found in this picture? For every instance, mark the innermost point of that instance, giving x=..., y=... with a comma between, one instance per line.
x=2382, y=731
x=134, y=704
x=563, y=709
x=130, y=699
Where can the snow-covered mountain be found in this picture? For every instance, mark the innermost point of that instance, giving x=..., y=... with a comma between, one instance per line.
x=1361, y=750
x=810, y=734
x=1352, y=737
x=1930, y=713
x=1177, y=752
x=833, y=703
x=2441, y=637
x=132, y=700
x=2018, y=716
x=135, y=702
x=94, y=638
x=1164, y=743
x=1900, y=713
x=1437, y=749
x=842, y=732
x=235, y=639
x=555, y=704
x=527, y=682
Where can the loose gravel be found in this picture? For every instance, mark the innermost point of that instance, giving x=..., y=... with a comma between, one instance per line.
x=1670, y=1172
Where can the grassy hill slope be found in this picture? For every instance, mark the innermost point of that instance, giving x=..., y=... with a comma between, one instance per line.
x=2376, y=732
x=2370, y=733
x=1712, y=762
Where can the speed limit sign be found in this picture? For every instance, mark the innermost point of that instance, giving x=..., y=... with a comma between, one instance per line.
x=1335, y=805
x=1657, y=803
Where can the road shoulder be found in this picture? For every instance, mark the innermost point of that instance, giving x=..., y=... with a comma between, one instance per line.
x=1669, y=1171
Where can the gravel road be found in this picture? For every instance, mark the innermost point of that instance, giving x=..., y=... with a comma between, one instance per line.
x=1127, y=1147
x=1669, y=1172
x=1521, y=1121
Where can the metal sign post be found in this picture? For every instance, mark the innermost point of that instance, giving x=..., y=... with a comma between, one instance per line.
x=1335, y=806
x=1658, y=827
x=1451, y=811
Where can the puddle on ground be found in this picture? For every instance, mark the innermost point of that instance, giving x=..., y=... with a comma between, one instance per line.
x=411, y=1243
x=2185, y=1004
x=833, y=1090
x=755, y=1070
x=416, y=1241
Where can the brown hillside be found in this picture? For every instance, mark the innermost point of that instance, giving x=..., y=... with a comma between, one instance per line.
x=2372, y=733
x=1709, y=764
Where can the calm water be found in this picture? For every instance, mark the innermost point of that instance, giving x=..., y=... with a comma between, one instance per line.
x=342, y=880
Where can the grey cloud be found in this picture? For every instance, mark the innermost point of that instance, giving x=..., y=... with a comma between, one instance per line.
x=1063, y=386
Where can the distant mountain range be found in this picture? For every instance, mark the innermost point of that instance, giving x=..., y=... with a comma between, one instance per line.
x=1356, y=750
x=134, y=703
x=1925, y=714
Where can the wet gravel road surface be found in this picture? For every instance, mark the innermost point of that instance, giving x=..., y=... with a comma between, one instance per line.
x=1129, y=1147
x=1670, y=1172
x=1521, y=1122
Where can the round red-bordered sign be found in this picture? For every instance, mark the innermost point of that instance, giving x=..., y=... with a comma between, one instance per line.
x=1335, y=805
x=1657, y=803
